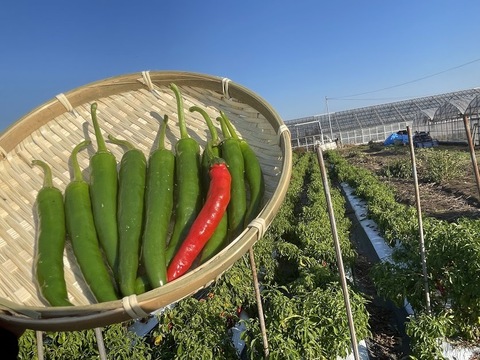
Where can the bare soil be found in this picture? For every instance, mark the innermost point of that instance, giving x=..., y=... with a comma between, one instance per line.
x=454, y=197
x=386, y=339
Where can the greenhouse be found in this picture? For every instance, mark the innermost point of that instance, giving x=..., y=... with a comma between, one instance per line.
x=442, y=115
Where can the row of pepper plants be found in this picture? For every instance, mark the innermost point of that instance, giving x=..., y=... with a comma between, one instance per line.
x=302, y=299
x=453, y=263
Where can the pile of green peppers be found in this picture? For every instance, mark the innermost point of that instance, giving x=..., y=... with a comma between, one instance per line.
x=128, y=221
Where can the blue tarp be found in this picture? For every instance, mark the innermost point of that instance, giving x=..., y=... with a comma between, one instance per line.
x=396, y=138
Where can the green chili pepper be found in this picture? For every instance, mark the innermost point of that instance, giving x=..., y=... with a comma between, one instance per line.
x=187, y=179
x=131, y=192
x=142, y=284
x=51, y=233
x=103, y=193
x=211, y=152
x=232, y=153
x=214, y=141
x=253, y=174
x=81, y=229
x=158, y=210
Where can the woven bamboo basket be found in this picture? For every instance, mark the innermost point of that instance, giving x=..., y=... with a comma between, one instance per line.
x=129, y=106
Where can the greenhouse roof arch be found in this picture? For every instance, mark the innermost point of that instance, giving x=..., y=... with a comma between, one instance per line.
x=424, y=117
x=474, y=106
x=452, y=109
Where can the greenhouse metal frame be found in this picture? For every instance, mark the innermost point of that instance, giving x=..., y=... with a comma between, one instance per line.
x=440, y=115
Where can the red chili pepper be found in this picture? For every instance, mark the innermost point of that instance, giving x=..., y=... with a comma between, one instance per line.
x=218, y=197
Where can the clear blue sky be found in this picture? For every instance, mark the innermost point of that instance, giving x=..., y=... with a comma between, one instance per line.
x=292, y=53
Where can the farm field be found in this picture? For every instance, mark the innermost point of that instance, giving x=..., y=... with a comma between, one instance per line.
x=448, y=193
x=448, y=189
x=302, y=300
x=303, y=305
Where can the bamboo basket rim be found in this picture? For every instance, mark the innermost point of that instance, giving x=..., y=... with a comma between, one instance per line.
x=227, y=92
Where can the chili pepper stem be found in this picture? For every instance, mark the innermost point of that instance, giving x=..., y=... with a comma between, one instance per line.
x=229, y=126
x=47, y=171
x=163, y=131
x=225, y=131
x=208, y=120
x=102, y=146
x=125, y=143
x=77, y=172
x=180, y=113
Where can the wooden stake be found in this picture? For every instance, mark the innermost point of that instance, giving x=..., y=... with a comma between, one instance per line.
x=39, y=336
x=420, y=221
x=466, y=123
x=261, y=317
x=338, y=252
x=100, y=344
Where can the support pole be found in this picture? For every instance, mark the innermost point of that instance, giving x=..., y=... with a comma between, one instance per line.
x=39, y=337
x=261, y=317
x=420, y=221
x=466, y=122
x=338, y=252
x=100, y=344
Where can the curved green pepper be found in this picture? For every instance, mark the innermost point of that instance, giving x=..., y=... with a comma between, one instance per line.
x=253, y=174
x=51, y=233
x=187, y=178
x=83, y=235
x=232, y=153
x=131, y=192
x=158, y=210
x=103, y=193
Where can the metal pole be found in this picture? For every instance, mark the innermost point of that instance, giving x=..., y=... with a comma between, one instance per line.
x=420, y=221
x=329, y=120
x=466, y=122
x=338, y=252
x=261, y=317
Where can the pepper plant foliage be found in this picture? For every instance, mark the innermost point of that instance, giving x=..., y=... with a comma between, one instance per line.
x=305, y=313
x=302, y=298
x=120, y=343
x=452, y=252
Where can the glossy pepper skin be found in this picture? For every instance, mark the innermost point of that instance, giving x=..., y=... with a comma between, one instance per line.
x=253, y=174
x=51, y=233
x=103, y=194
x=131, y=193
x=232, y=153
x=218, y=239
x=83, y=235
x=158, y=210
x=204, y=226
x=187, y=178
